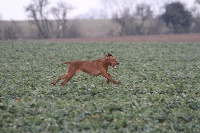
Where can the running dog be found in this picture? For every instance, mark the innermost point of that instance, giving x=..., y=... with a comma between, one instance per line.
x=94, y=67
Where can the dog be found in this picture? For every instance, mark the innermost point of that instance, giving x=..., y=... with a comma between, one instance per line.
x=94, y=68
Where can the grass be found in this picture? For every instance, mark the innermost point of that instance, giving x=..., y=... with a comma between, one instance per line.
x=159, y=90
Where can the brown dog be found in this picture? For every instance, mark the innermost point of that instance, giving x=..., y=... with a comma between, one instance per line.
x=94, y=67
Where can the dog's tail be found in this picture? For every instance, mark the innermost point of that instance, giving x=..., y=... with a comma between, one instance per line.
x=66, y=63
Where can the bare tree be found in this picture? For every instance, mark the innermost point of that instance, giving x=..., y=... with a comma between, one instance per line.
x=37, y=11
x=121, y=12
x=143, y=14
x=130, y=16
x=126, y=22
x=60, y=14
x=117, y=7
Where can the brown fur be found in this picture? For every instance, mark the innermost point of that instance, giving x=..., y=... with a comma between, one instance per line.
x=94, y=67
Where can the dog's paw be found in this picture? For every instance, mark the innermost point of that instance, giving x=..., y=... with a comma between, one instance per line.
x=62, y=84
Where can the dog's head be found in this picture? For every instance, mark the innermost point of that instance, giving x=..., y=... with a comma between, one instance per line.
x=112, y=61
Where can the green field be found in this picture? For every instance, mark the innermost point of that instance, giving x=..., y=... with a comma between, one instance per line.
x=159, y=90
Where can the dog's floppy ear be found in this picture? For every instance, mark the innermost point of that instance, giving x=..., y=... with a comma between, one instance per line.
x=107, y=55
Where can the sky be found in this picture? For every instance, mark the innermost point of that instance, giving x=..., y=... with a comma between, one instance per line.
x=14, y=9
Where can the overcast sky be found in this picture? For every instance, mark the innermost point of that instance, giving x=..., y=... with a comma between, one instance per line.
x=14, y=9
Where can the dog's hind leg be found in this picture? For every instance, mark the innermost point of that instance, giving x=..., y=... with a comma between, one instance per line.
x=62, y=77
x=67, y=78
x=71, y=72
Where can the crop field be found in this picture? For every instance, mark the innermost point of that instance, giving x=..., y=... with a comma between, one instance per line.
x=159, y=90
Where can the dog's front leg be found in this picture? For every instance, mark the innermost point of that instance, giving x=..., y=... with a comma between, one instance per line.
x=108, y=76
x=108, y=81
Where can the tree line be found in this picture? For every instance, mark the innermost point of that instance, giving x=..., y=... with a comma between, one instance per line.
x=176, y=18
x=138, y=20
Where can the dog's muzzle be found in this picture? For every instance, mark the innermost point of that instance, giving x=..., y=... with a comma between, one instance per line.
x=115, y=65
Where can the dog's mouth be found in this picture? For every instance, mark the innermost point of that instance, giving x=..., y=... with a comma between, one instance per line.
x=114, y=66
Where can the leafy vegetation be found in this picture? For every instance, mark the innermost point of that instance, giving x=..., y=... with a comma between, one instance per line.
x=159, y=90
